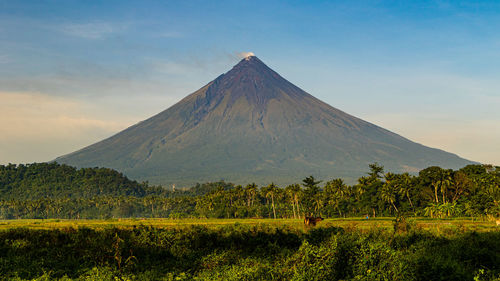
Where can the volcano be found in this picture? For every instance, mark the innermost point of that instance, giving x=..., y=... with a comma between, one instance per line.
x=252, y=125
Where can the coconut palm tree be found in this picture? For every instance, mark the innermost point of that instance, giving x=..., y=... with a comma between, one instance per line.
x=389, y=190
x=435, y=185
x=335, y=190
x=444, y=183
x=290, y=192
x=250, y=191
x=297, y=195
x=405, y=186
x=270, y=191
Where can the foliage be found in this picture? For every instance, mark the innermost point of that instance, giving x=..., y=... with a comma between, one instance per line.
x=42, y=180
x=50, y=190
x=240, y=252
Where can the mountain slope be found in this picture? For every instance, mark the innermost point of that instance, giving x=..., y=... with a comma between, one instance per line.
x=252, y=125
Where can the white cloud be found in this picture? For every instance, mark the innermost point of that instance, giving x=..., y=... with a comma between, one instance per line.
x=91, y=30
x=243, y=55
x=173, y=68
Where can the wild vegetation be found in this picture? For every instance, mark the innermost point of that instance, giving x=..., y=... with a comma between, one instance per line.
x=51, y=180
x=268, y=247
x=50, y=190
x=249, y=252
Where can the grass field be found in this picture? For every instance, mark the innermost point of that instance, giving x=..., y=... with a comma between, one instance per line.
x=249, y=249
x=465, y=224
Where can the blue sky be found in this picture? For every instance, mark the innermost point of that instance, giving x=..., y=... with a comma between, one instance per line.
x=74, y=72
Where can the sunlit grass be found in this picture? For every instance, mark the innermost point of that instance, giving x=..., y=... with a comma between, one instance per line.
x=352, y=223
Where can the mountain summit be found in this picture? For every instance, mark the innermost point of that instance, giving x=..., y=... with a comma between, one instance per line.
x=252, y=125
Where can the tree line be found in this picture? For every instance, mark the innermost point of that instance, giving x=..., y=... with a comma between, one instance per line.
x=50, y=190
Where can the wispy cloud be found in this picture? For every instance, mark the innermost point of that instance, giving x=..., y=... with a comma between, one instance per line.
x=169, y=34
x=92, y=30
x=165, y=67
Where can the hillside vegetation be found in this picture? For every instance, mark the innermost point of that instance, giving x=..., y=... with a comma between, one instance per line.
x=50, y=190
x=52, y=180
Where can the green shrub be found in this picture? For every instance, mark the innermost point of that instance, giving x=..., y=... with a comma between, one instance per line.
x=245, y=252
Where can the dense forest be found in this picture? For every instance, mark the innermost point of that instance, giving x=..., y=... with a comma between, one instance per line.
x=51, y=180
x=50, y=190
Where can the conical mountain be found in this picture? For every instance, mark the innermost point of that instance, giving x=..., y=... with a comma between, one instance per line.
x=252, y=125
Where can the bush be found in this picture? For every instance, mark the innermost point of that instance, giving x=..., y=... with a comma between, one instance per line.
x=243, y=252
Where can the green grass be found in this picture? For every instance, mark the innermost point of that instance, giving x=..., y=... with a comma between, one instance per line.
x=249, y=249
x=351, y=223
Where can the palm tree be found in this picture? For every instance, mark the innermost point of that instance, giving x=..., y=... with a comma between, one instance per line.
x=318, y=204
x=297, y=195
x=250, y=191
x=405, y=187
x=490, y=186
x=444, y=182
x=335, y=190
x=432, y=210
x=363, y=183
x=150, y=200
x=388, y=192
x=448, y=208
x=290, y=192
x=358, y=192
x=270, y=191
x=435, y=185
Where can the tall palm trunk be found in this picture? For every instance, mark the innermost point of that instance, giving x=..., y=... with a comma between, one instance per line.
x=297, y=204
x=436, y=193
x=411, y=204
x=397, y=211
x=274, y=210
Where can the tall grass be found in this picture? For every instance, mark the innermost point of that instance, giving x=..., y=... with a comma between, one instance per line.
x=249, y=252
